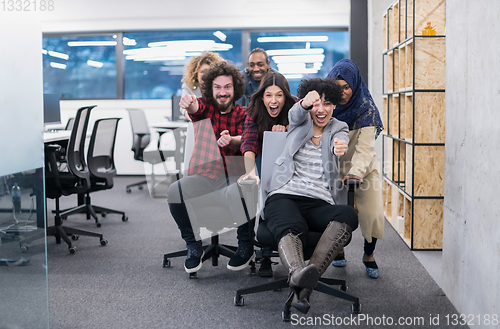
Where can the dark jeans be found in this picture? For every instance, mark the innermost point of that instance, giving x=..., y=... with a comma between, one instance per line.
x=203, y=196
x=285, y=213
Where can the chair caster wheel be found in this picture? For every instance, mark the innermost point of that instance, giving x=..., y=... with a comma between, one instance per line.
x=24, y=248
x=104, y=242
x=74, y=237
x=129, y=190
x=72, y=249
x=239, y=300
x=124, y=218
x=98, y=224
x=64, y=217
x=356, y=307
x=167, y=263
x=140, y=187
x=343, y=287
x=193, y=275
x=103, y=214
x=286, y=315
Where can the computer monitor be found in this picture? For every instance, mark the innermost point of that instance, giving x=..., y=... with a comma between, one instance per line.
x=51, y=109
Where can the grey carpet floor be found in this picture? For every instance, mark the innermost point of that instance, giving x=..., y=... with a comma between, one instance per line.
x=124, y=285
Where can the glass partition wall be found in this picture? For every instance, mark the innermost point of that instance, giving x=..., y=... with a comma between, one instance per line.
x=150, y=64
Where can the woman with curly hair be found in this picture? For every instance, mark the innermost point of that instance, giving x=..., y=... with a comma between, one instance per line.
x=193, y=74
x=304, y=190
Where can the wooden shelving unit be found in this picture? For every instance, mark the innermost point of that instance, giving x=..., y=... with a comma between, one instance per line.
x=413, y=140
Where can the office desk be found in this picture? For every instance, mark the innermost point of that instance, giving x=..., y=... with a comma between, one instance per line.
x=56, y=136
x=178, y=128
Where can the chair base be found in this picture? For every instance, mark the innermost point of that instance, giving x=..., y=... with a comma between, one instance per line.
x=91, y=210
x=61, y=232
x=212, y=251
x=324, y=285
x=64, y=233
x=139, y=185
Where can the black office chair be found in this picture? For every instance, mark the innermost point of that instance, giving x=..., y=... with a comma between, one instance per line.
x=69, y=124
x=74, y=181
x=215, y=219
x=100, y=158
x=265, y=240
x=141, y=139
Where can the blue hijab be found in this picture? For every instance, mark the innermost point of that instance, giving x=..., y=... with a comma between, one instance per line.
x=361, y=110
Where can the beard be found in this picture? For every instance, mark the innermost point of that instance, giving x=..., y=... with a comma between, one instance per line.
x=223, y=107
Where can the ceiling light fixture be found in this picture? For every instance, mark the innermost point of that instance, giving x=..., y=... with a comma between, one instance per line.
x=305, y=38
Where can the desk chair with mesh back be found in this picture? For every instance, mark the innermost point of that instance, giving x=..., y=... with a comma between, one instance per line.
x=74, y=181
x=100, y=159
x=217, y=222
x=176, y=109
x=272, y=142
x=141, y=139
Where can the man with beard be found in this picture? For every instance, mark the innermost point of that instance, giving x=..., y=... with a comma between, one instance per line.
x=258, y=66
x=218, y=125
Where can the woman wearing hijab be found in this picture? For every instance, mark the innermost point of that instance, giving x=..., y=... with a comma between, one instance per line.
x=358, y=110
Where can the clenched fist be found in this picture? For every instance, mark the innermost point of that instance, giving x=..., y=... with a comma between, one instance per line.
x=339, y=146
x=310, y=99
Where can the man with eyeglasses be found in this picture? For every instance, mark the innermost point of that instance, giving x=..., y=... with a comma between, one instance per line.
x=258, y=66
x=214, y=165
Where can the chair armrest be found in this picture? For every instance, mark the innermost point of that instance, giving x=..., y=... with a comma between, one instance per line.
x=50, y=155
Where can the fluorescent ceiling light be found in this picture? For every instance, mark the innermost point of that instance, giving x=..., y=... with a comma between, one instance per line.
x=58, y=55
x=91, y=43
x=222, y=37
x=305, y=38
x=293, y=76
x=95, y=64
x=281, y=52
x=44, y=51
x=174, y=50
x=191, y=45
x=58, y=65
x=129, y=42
x=298, y=59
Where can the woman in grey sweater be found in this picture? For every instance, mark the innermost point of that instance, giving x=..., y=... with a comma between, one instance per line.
x=306, y=191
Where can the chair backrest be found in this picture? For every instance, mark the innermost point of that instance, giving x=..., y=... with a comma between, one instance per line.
x=69, y=124
x=272, y=144
x=75, y=156
x=176, y=109
x=140, y=131
x=100, y=156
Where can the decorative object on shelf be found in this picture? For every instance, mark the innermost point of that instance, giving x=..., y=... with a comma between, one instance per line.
x=429, y=30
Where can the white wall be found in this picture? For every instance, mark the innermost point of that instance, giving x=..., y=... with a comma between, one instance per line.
x=21, y=100
x=119, y=15
x=471, y=244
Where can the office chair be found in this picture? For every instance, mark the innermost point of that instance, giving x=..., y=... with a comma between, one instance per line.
x=264, y=239
x=176, y=109
x=217, y=219
x=141, y=139
x=100, y=159
x=74, y=181
x=69, y=124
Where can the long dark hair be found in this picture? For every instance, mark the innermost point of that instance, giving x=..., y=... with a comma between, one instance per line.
x=258, y=110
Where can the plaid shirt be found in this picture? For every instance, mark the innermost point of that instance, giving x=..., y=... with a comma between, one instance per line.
x=250, y=139
x=208, y=158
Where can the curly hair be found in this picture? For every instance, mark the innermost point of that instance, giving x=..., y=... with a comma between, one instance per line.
x=257, y=108
x=330, y=88
x=193, y=66
x=223, y=68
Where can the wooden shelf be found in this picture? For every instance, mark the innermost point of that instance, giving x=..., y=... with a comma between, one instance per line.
x=413, y=113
